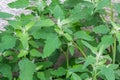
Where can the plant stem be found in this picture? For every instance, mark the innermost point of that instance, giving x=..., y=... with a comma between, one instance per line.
x=111, y=10
x=114, y=49
x=67, y=59
x=66, y=56
x=83, y=53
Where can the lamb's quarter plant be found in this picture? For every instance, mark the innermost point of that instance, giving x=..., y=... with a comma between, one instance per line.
x=61, y=40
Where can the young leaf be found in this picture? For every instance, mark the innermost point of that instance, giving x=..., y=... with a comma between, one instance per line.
x=59, y=72
x=102, y=29
x=83, y=35
x=118, y=37
x=35, y=53
x=108, y=73
x=89, y=60
x=5, y=15
x=51, y=44
x=7, y=42
x=24, y=37
x=27, y=69
x=102, y=3
x=71, y=50
x=5, y=70
x=106, y=41
x=117, y=7
x=44, y=23
x=93, y=49
x=75, y=77
x=58, y=12
x=15, y=24
x=19, y=4
x=41, y=75
x=22, y=53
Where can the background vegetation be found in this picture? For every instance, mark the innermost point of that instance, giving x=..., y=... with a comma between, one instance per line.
x=61, y=40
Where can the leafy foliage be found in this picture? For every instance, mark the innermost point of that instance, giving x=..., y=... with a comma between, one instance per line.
x=69, y=40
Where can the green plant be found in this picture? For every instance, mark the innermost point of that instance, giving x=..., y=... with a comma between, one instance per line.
x=32, y=44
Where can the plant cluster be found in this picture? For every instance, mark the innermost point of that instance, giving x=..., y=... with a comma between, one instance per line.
x=61, y=40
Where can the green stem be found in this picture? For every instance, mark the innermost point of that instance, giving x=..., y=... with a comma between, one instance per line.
x=95, y=73
x=83, y=53
x=111, y=10
x=67, y=57
x=114, y=49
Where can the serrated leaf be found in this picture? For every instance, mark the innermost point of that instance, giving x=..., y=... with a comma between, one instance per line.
x=58, y=12
x=93, y=49
x=45, y=64
x=5, y=15
x=102, y=3
x=15, y=24
x=81, y=11
x=101, y=29
x=7, y=42
x=35, y=53
x=24, y=37
x=44, y=23
x=68, y=37
x=89, y=60
x=75, y=77
x=106, y=41
x=71, y=50
x=27, y=69
x=108, y=73
x=83, y=35
x=59, y=72
x=51, y=44
x=117, y=7
x=41, y=75
x=19, y=4
x=6, y=71
x=22, y=53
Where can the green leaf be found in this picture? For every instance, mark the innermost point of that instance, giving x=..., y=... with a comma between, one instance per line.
x=22, y=53
x=24, y=37
x=118, y=37
x=27, y=69
x=102, y=3
x=51, y=44
x=93, y=49
x=15, y=24
x=108, y=73
x=5, y=15
x=44, y=23
x=19, y=4
x=81, y=11
x=71, y=49
x=106, y=41
x=7, y=42
x=68, y=37
x=89, y=60
x=45, y=64
x=40, y=34
x=35, y=53
x=41, y=75
x=75, y=77
x=117, y=7
x=5, y=69
x=83, y=35
x=101, y=29
x=59, y=72
x=58, y=12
